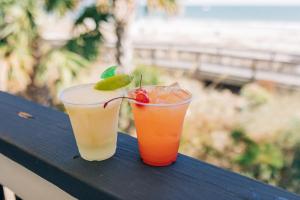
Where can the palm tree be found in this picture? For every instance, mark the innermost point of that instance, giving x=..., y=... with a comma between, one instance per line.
x=26, y=58
x=17, y=33
x=123, y=14
x=33, y=67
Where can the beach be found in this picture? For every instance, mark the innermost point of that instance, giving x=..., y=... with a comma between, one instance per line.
x=280, y=36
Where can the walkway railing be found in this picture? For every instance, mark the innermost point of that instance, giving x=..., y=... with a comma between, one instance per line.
x=235, y=66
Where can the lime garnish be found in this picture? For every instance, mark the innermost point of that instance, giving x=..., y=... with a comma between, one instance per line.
x=109, y=72
x=114, y=82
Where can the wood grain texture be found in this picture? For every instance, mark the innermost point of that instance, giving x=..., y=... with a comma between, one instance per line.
x=45, y=145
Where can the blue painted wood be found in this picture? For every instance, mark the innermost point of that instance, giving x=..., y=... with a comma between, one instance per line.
x=18, y=198
x=46, y=146
x=1, y=192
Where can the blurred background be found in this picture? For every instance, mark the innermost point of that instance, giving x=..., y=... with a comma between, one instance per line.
x=240, y=59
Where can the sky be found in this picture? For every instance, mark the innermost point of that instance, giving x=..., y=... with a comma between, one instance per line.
x=241, y=2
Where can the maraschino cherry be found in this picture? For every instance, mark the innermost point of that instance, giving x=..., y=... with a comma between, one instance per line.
x=141, y=96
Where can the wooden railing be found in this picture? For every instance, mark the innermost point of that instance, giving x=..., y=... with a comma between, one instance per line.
x=238, y=65
x=39, y=160
x=235, y=66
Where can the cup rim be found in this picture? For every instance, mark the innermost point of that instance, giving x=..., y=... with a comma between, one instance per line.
x=185, y=101
x=60, y=96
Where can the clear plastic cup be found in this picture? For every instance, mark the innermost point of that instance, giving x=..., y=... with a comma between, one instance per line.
x=159, y=127
x=95, y=127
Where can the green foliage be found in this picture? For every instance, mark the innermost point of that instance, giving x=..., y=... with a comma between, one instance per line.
x=60, y=67
x=17, y=25
x=60, y=6
x=291, y=136
x=150, y=76
x=249, y=156
x=255, y=154
x=293, y=173
x=86, y=45
x=263, y=161
x=95, y=13
x=251, y=148
x=239, y=135
x=255, y=94
x=18, y=32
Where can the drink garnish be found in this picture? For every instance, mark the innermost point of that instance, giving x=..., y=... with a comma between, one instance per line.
x=140, y=89
x=109, y=72
x=114, y=82
x=141, y=96
x=106, y=103
x=141, y=99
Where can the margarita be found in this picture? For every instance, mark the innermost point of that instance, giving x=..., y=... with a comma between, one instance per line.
x=94, y=127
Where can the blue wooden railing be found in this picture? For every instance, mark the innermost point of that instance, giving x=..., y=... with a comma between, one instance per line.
x=40, y=160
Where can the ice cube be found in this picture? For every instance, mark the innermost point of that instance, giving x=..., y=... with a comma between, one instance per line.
x=168, y=94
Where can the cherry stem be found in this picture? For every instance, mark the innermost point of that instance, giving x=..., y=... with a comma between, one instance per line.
x=141, y=81
x=106, y=103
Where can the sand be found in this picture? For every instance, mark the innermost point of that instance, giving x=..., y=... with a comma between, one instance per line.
x=260, y=35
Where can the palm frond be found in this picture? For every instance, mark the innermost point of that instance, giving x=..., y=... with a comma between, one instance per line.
x=60, y=67
x=60, y=6
x=86, y=45
x=167, y=5
x=94, y=12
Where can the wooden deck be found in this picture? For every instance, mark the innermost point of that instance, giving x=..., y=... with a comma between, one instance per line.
x=39, y=160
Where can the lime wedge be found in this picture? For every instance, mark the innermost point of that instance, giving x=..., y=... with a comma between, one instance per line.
x=109, y=72
x=114, y=82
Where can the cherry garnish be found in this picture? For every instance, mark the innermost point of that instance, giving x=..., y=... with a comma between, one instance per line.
x=106, y=103
x=141, y=96
x=140, y=90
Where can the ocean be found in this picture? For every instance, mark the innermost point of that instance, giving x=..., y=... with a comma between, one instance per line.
x=231, y=13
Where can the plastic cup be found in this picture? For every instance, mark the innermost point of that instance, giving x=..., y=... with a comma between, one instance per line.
x=95, y=127
x=159, y=128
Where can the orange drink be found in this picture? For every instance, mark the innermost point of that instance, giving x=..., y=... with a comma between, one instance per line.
x=159, y=123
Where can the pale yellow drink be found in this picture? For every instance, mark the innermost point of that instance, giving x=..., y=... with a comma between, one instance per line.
x=94, y=127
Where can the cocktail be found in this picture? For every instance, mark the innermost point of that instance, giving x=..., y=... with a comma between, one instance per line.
x=95, y=128
x=159, y=113
x=95, y=125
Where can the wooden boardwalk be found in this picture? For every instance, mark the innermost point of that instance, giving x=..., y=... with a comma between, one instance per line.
x=233, y=66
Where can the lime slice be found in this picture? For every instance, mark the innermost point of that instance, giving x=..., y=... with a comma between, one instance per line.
x=109, y=72
x=114, y=82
